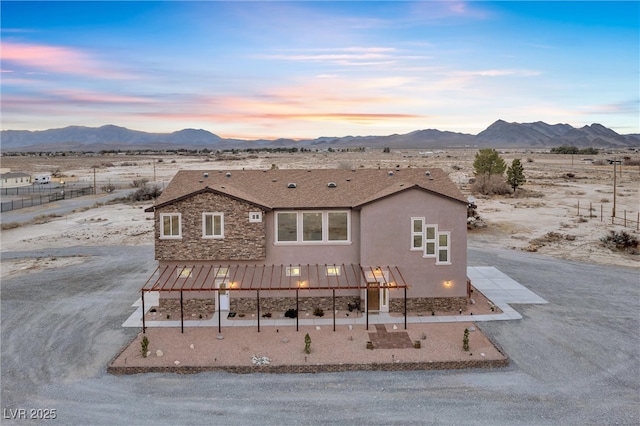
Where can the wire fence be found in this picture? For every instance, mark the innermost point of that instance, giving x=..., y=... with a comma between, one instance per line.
x=627, y=219
x=35, y=200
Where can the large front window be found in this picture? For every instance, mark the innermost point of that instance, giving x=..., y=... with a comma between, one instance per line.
x=312, y=227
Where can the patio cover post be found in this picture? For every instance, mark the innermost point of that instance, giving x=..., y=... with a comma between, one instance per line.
x=143, y=324
x=181, y=314
x=405, y=308
x=334, y=309
x=366, y=294
x=258, y=300
x=297, y=314
x=219, y=314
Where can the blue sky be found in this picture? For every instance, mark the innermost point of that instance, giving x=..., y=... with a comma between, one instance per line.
x=309, y=69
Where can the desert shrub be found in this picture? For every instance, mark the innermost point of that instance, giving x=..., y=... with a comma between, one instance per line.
x=456, y=167
x=139, y=183
x=266, y=315
x=146, y=193
x=465, y=340
x=318, y=312
x=10, y=225
x=604, y=200
x=307, y=344
x=291, y=313
x=488, y=185
x=599, y=163
x=529, y=160
x=632, y=162
x=620, y=240
x=144, y=346
x=108, y=188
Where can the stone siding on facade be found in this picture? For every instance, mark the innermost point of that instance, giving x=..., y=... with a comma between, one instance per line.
x=243, y=240
x=429, y=304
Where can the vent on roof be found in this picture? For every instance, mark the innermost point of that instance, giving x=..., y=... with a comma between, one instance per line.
x=205, y=175
x=390, y=173
x=291, y=185
x=228, y=174
x=332, y=185
x=427, y=173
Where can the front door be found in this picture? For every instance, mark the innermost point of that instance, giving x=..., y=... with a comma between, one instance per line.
x=378, y=290
x=373, y=297
x=223, y=295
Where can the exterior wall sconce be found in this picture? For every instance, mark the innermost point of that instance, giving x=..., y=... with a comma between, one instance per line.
x=302, y=284
x=447, y=284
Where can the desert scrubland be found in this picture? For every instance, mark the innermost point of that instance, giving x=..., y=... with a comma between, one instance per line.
x=563, y=210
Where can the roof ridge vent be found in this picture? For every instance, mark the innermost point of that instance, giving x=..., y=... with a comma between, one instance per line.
x=228, y=174
x=205, y=175
x=291, y=185
x=332, y=185
x=390, y=172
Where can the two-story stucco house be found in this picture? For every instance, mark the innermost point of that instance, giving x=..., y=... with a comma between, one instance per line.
x=388, y=240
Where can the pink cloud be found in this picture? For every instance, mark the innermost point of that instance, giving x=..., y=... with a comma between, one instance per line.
x=55, y=59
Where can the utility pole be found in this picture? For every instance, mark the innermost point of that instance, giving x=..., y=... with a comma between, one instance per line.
x=94, y=180
x=154, y=169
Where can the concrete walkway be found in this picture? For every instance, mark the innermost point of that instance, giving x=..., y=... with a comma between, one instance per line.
x=496, y=286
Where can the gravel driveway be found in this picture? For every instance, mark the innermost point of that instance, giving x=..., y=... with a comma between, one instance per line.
x=575, y=360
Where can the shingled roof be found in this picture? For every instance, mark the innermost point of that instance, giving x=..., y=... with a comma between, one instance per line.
x=308, y=189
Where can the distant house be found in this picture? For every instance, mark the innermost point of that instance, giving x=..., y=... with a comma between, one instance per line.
x=11, y=179
x=383, y=240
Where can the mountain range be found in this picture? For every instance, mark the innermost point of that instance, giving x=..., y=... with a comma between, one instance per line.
x=501, y=134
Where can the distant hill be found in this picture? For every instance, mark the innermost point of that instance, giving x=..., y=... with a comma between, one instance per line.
x=501, y=134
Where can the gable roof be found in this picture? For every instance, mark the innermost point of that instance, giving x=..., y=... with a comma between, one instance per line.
x=272, y=189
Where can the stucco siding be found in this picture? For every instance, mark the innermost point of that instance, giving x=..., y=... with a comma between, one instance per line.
x=386, y=240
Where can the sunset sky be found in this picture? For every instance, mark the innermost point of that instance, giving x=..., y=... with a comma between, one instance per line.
x=309, y=69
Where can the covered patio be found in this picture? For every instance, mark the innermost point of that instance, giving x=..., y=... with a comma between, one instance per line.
x=310, y=278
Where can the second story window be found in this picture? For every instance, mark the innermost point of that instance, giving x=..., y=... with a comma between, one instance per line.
x=170, y=225
x=212, y=225
x=313, y=227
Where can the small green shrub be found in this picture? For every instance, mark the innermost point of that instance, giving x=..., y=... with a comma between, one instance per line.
x=318, y=312
x=145, y=346
x=307, y=344
x=465, y=340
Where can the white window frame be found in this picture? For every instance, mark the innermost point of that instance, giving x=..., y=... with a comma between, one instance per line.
x=204, y=225
x=300, y=230
x=292, y=271
x=255, y=217
x=428, y=240
x=170, y=236
x=446, y=249
x=415, y=233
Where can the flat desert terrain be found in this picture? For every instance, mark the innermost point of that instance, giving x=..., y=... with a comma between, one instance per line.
x=563, y=210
